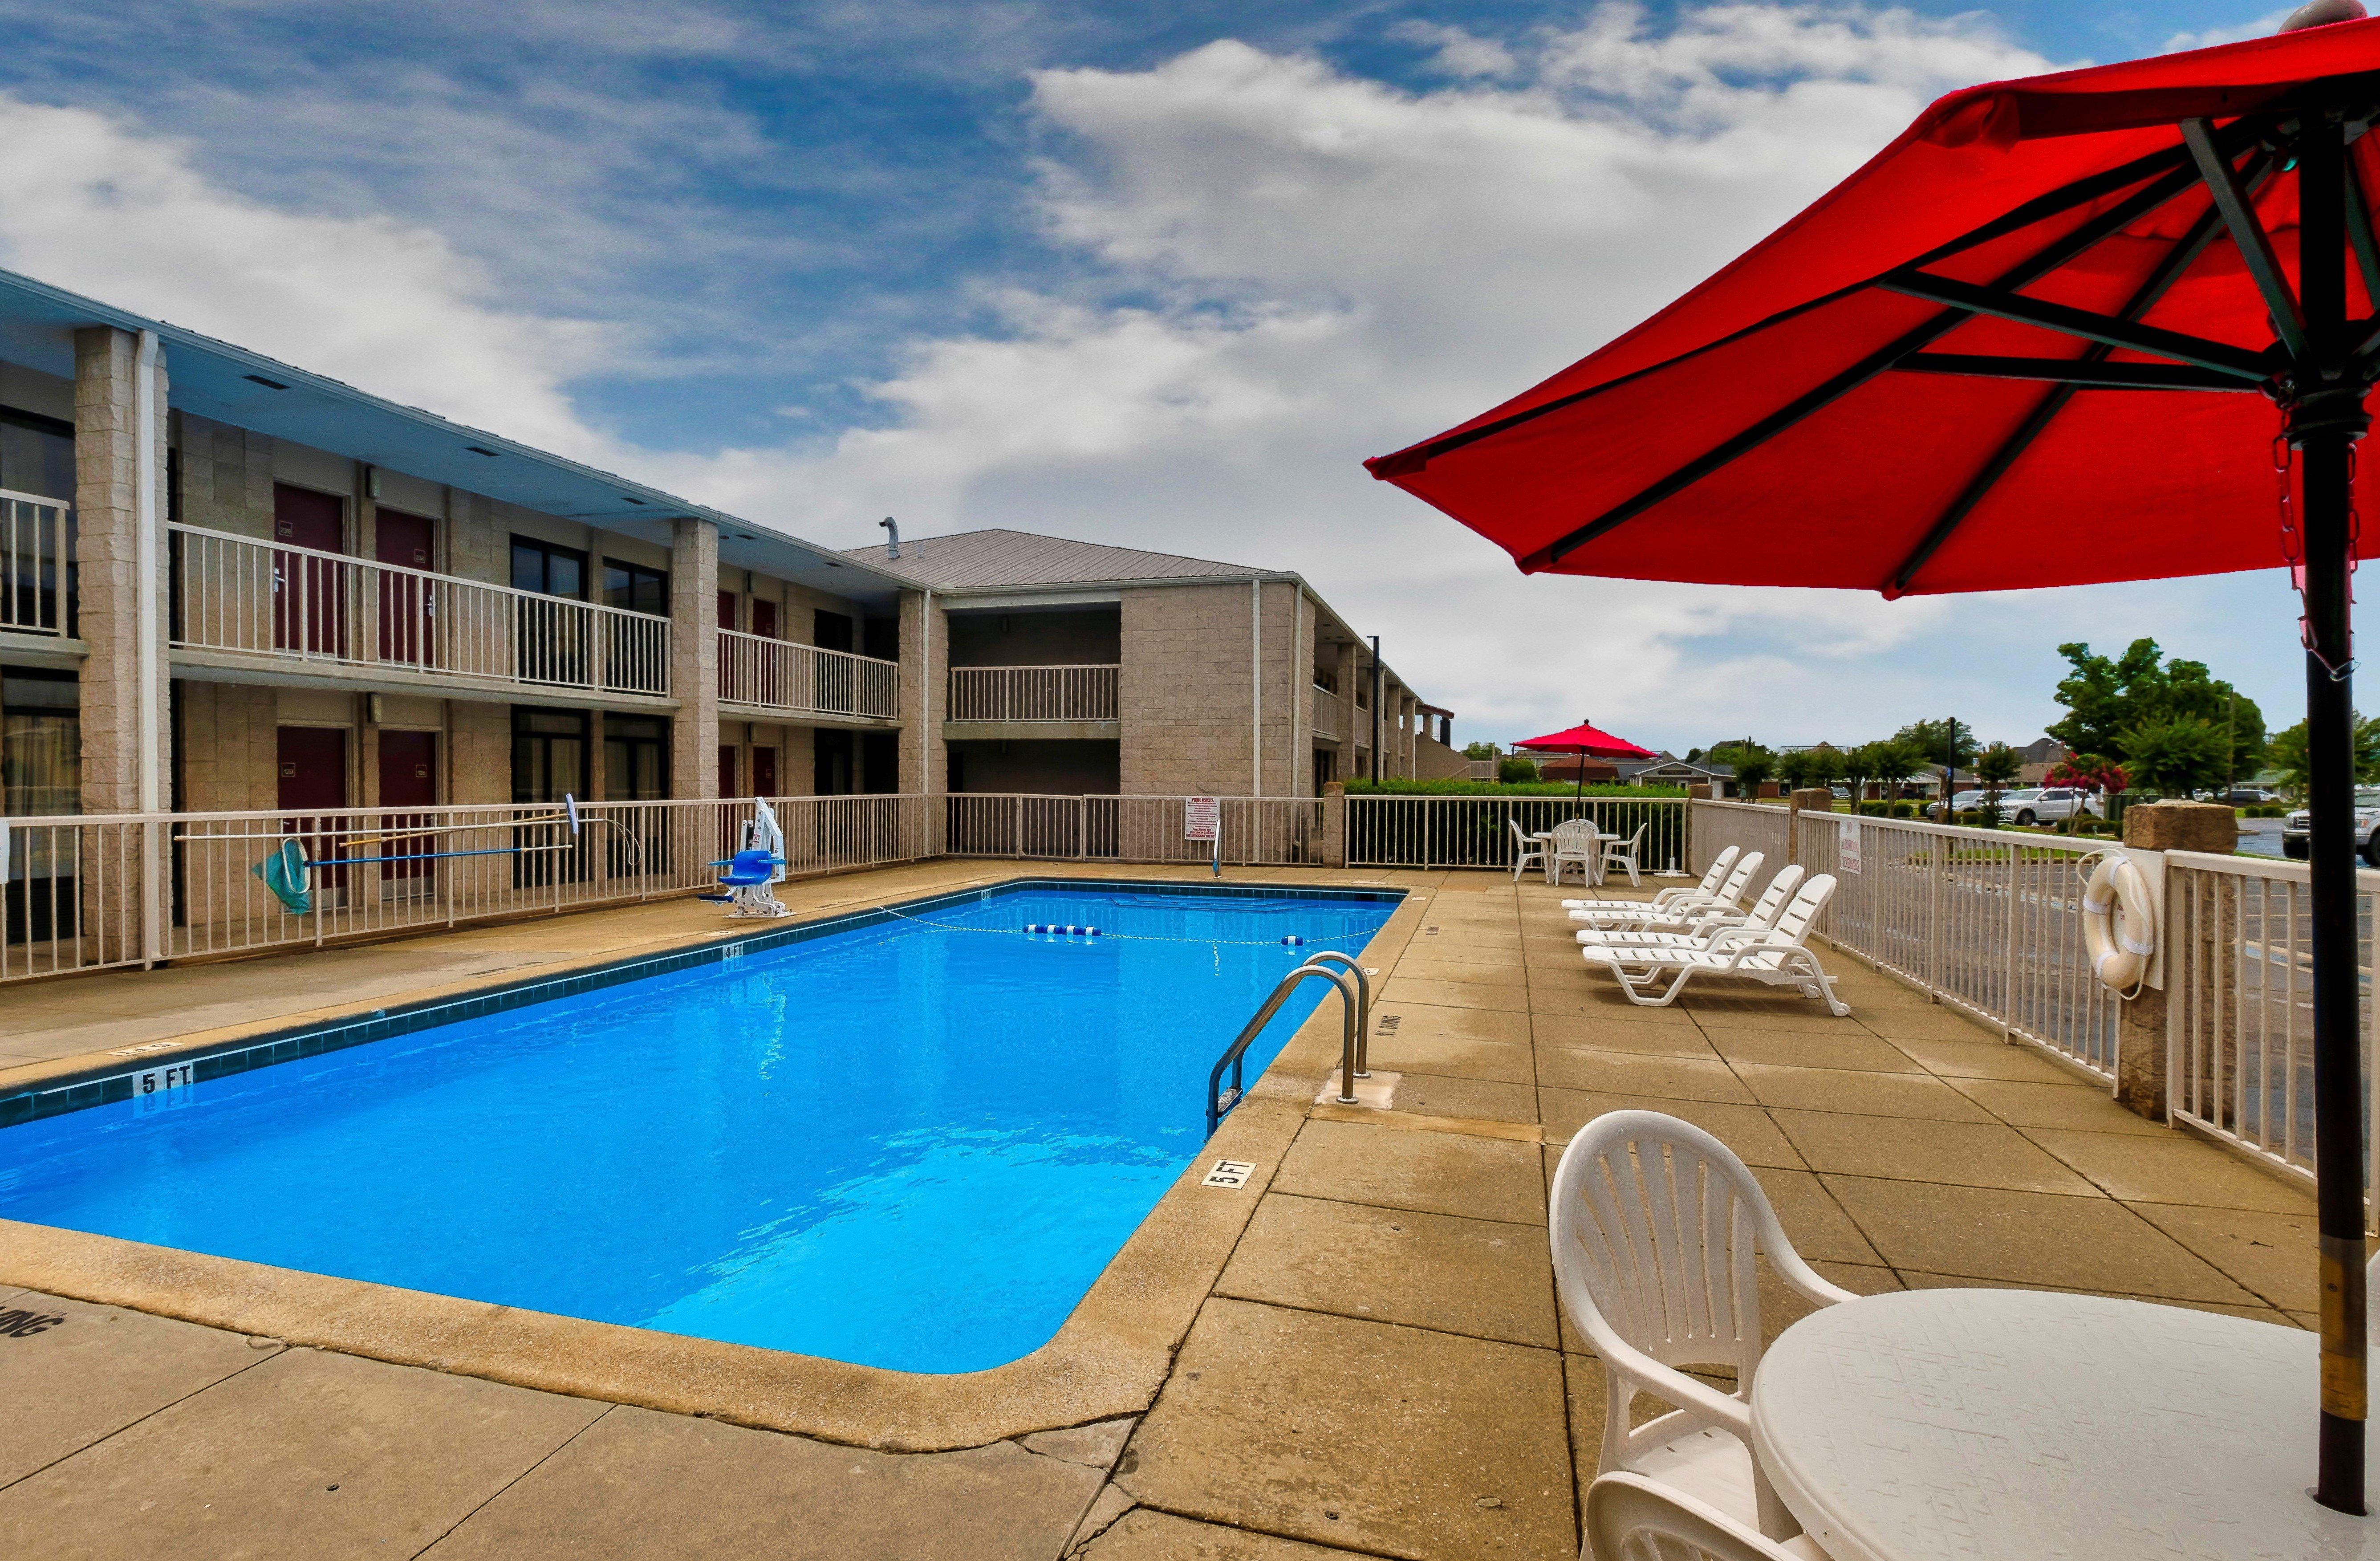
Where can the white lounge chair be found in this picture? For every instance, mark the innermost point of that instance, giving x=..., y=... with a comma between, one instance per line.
x=1713, y=877
x=1655, y=1225
x=1524, y=850
x=1730, y=897
x=1616, y=854
x=1702, y=932
x=1778, y=956
x=1574, y=840
x=1630, y=1517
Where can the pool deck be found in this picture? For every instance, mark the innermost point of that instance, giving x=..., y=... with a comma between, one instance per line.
x=1369, y=1359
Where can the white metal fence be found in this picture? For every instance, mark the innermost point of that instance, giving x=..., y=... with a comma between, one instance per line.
x=36, y=564
x=234, y=594
x=1255, y=830
x=2240, y=1003
x=1395, y=830
x=805, y=679
x=1988, y=920
x=73, y=898
x=1033, y=693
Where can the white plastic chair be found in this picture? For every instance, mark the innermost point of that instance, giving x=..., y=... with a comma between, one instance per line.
x=1655, y=1225
x=1524, y=850
x=1778, y=956
x=1703, y=930
x=1630, y=1517
x=1574, y=840
x=1615, y=854
x=1713, y=877
x=1640, y=917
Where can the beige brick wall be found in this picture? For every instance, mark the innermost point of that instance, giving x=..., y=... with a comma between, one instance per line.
x=230, y=731
x=105, y=549
x=226, y=476
x=925, y=685
x=478, y=752
x=1183, y=690
x=694, y=659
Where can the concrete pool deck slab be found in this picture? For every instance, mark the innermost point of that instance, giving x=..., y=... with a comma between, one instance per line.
x=1250, y=1409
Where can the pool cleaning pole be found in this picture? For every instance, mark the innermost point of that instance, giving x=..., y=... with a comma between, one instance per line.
x=1376, y=710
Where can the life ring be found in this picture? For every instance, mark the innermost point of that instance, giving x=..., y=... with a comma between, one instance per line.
x=2118, y=923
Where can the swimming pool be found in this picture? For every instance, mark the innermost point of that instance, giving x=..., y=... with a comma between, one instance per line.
x=910, y=1142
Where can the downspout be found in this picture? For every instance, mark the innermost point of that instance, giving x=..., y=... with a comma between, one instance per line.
x=1256, y=686
x=144, y=594
x=1376, y=710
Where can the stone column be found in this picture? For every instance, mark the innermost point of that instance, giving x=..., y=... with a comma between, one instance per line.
x=1349, y=668
x=925, y=679
x=106, y=544
x=2141, y=1031
x=1334, y=825
x=694, y=659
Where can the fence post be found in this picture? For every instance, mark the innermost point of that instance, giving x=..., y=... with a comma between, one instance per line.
x=2141, y=1045
x=1816, y=799
x=1334, y=825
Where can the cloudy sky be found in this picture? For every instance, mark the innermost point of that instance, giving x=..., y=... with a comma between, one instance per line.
x=1153, y=275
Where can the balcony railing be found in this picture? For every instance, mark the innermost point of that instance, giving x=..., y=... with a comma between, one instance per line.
x=1329, y=715
x=1033, y=693
x=293, y=604
x=36, y=565
x=804, y=679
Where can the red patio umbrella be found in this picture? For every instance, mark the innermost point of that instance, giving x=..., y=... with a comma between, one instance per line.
x=1588, y=742
x=1958, y=372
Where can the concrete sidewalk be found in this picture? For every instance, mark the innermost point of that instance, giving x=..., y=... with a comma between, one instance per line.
x=1379, y=1368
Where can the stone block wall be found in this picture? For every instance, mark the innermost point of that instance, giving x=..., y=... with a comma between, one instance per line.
x=231, y=736
x=1183, y=690
x=106, y=549
x=226, y=481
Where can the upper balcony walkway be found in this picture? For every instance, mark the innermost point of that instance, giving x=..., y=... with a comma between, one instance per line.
x=1034, y=702
x=36, y=580
x=763, y=677
x=264, y=612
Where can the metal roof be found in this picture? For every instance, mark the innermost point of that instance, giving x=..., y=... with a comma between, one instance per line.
x=999, y=556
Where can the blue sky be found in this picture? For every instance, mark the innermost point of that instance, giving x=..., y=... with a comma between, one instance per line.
x=1156, y=275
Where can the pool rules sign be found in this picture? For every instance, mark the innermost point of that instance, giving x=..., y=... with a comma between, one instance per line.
x=1202, y=818
x=1847, y=845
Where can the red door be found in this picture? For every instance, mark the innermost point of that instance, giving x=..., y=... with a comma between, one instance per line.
x=313, y=782
x=764, y=619
x=769, y=675
x=404, y=600
x=764, y=771
x=726, y=771
x=733, y=675
x=408, y=779
x=310, y=606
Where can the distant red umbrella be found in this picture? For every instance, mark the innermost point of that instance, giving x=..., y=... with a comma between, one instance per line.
x=1956, y=371
x=1588, y=742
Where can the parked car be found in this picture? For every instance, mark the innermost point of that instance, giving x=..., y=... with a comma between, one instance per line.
x=2245, y=796
x=2295, y=832
x=2048, y=804
x=1961, y=802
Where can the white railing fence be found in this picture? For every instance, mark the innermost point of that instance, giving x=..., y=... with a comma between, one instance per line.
x=1989, y=922
x=1033, y=693
x=36, y=564
x=236, y=593
x=2240, y=1005
x=73, y=899
x=805, y=679
x=1391, y=831
x=1256, y=831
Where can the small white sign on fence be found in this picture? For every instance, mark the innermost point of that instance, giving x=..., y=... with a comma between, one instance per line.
x=1202, y=818
x=1847, y=845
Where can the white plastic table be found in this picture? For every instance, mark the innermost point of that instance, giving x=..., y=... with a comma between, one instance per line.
x=2021, y=1425
x=1545, y=840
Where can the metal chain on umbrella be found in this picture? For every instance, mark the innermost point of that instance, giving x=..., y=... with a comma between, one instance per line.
x=2293, y=542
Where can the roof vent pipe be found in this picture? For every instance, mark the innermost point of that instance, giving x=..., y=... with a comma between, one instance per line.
x=2321, y=13
x=892, y=541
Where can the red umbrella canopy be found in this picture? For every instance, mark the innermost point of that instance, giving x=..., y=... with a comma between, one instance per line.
x=1827, y=411
x=1593, y=741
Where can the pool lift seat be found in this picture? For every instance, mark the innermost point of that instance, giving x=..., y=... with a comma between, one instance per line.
x=757, y=866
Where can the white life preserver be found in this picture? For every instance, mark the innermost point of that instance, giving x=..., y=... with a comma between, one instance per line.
x=2119, y=922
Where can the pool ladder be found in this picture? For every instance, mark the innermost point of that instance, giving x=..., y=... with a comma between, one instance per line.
x=1355, y=1008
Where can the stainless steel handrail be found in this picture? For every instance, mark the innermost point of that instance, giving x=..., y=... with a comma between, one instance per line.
x=1363, y=1011
x=1219, y=1103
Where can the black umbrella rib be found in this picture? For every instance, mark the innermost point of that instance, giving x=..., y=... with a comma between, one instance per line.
x=2179, y=178
x=2114, y=331
x=2181, y=258
x=2247, y=233
x=2087, y=372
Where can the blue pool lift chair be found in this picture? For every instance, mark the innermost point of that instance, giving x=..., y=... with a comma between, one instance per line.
x=755, y=870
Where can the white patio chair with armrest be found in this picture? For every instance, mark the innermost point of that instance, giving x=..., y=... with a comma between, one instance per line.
x=1630, y=1517
x=1654, y=1227
x=1574, y=840
x=1779, y=955
x=1615, y=854
x=1713, y=877
x=1703, y=931
x=1678, y=913
x=1525, y=849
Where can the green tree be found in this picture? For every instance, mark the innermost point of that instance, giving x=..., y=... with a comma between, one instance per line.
x=1859, y=767
x=2105, y=697
x=1793, y=769
x=1515, y=770
x=2175, y=755
x=1898, y=760
x=1480, y=750
x=1950, y=743
x=1996, y=766
x=1823, y=765
x=1752, y=764
x=2286, y=753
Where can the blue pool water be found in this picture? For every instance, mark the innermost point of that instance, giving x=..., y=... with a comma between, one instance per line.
x=908, y=1145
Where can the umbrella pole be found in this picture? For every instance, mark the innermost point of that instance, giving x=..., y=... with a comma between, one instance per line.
x=2324, y=423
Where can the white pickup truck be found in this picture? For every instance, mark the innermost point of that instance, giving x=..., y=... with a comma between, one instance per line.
x=2295, y=832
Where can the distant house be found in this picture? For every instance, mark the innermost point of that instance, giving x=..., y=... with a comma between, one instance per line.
x=2040, y=756
x=1669, y=771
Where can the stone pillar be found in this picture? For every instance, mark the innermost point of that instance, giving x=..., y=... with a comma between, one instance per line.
x=925, y=688
x=2141, y=1031
x=1349, y=667
x=1334, y=825
x=694, y=659
x=107, y=544
x=1812, y=799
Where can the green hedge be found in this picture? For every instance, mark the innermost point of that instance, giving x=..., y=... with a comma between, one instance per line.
x=1491, y=789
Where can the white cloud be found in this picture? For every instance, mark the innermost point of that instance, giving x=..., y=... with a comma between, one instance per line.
x=1317, y=267
x=2263, y=27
